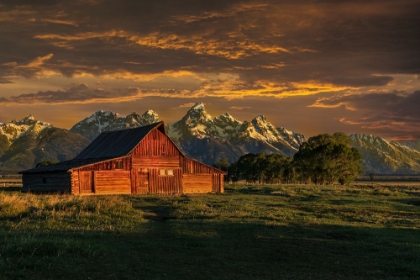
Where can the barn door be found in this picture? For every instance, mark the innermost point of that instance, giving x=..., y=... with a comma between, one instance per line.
x=86, y=182
x=143, y=182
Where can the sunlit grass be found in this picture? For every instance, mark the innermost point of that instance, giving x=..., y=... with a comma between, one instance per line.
x=249, y=232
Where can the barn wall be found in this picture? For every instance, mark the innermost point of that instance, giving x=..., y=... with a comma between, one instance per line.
x=75, y=184
x=103, y=182
x=112, y=182
x=197, y=183
x=165, y=184
x=156, y=144
x=46, y=182
x=194, y=171
x=109, y=165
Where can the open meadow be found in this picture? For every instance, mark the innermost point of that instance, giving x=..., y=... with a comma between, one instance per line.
x=362, y=231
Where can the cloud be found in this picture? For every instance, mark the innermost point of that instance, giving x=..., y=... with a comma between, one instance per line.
x=388, y=113
x=272, y=41
x=217, y=49
x=74, y=94
x=186, y=105
x=239, y=108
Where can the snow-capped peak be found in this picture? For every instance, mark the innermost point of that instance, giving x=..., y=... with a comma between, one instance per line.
x=260, y=118
x=107, y=121
x=15, y=129
x=198, y=114
x=199, y=106
x=28, y=120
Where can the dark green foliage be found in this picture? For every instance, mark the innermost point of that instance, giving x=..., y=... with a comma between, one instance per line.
x=45, y=163
x=4, y=144
x=222, y=164
x=324, y=159
x=261, y=168
x=327, y=158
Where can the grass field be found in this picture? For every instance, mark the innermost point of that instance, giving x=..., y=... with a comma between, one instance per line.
x=250, y=232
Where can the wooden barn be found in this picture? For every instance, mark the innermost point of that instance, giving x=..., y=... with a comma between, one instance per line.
x=132, y=161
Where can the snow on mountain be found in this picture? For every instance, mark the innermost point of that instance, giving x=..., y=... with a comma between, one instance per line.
x=254, y=136
x=26, y=142
x=413, y=144
x=15, y=129
x=386, y=157
x=101, y=121
x=196, y=123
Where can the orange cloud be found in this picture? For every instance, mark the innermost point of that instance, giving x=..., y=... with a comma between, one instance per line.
x=234, y=48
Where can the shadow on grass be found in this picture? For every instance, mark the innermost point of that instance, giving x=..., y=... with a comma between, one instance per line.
x=252, y=189
x=10, y=189
x=212, y=250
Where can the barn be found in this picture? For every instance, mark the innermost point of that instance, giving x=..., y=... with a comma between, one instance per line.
x=141, y=160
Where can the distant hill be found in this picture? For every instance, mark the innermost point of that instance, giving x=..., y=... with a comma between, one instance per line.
x=26, y=142
x=386, y=157
x=199, y=135
x=101, y=121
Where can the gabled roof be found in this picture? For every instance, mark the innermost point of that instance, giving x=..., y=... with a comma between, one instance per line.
x=112, y=144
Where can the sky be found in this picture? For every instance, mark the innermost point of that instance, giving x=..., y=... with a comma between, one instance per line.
x=309, y=66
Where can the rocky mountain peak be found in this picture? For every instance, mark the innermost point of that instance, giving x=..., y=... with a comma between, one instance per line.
x=17, y=128
x=28, y=120
x=197, y=113
x=226, y=120
x=101, y=121
x=199, y=106
x=259, y=119
x=150, y=116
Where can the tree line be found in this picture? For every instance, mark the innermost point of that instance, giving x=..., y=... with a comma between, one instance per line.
x=323, y=159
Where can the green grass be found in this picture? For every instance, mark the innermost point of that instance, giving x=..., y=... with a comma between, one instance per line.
x=250, y=232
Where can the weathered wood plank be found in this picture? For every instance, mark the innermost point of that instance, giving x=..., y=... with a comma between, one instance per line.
x=197, y=183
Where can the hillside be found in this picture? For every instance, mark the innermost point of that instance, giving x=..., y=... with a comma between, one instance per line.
x=25, y=142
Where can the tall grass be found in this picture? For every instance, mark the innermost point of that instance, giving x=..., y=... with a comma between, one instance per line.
x=249, y=232
x=64, y=213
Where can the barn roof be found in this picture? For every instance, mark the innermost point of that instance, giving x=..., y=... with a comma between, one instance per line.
x=112, y=144
x=63, y=165
x=108, y=145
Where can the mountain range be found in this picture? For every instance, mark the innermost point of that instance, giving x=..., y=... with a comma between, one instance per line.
x=29, y=141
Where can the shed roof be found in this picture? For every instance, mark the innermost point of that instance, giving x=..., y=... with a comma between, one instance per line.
x=63, y=165
x=112, y=144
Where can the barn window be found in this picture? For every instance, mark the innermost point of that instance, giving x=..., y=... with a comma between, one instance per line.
x=162, y=172
x=170, y=172
x=118, y=165
x=44, y=180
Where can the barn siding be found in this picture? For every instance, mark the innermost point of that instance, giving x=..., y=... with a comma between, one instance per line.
x=108, y=165
x=46, y=182
x=155, y=165
x=197, y=183
x=112, y=182
x=75, y=183
x=156, y=143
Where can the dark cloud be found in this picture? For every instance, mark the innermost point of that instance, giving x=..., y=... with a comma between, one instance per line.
x=394, y=113
x=325, y=41
x=75, y=93
x=265, y=48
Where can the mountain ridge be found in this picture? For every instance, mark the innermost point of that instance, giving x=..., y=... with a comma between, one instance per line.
x=200, y=136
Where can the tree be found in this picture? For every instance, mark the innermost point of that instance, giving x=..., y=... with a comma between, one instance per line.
x=222, y=164
x=327, y=158
x=274, y=167
x=233, y=173
x=45, y=163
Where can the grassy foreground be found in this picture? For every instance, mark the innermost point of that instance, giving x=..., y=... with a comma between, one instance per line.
x=250, y=232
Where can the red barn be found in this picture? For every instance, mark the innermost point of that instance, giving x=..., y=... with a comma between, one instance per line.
x=131, y=161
